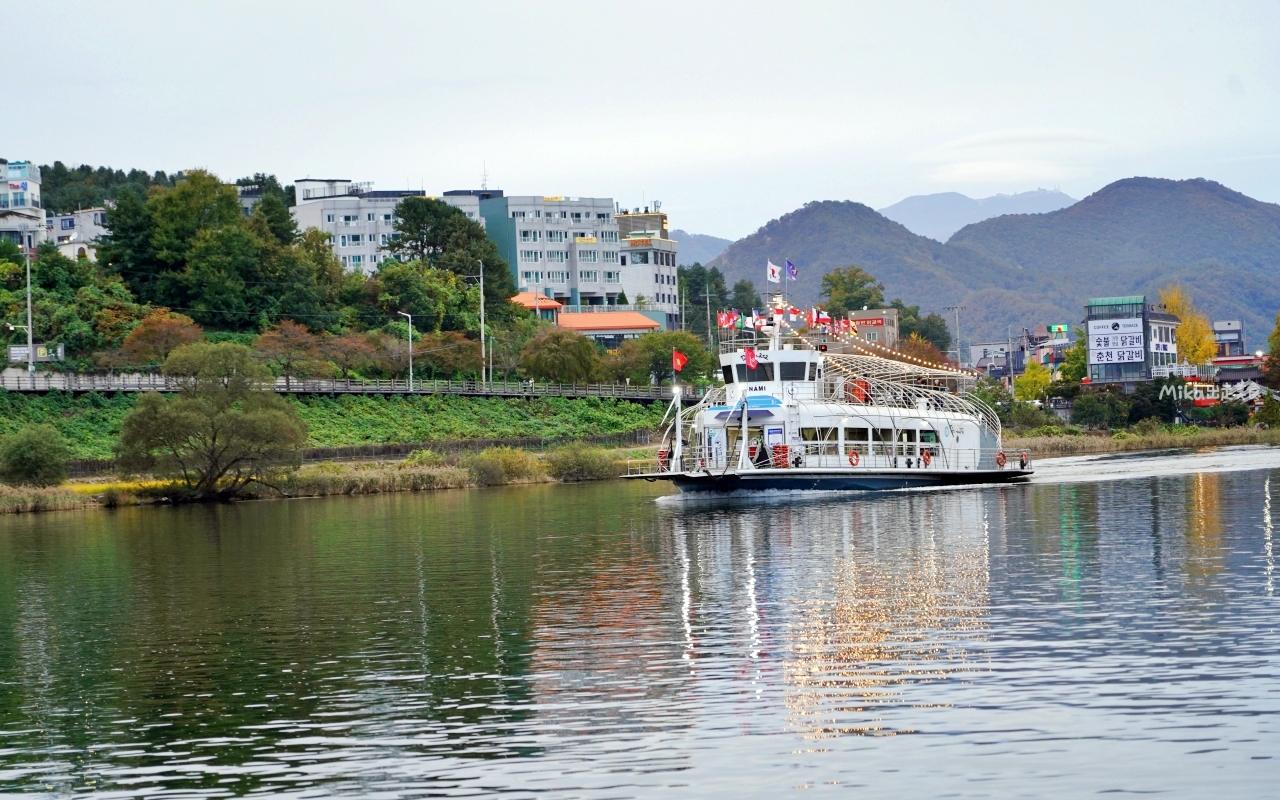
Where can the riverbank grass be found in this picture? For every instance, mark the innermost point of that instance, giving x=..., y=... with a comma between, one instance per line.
x=1155, y=437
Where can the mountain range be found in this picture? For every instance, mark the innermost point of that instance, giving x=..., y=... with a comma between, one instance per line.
x=698, y=248
x=1130, y=237
x=940, y=215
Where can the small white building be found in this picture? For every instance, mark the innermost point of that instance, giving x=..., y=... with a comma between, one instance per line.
x=77, y=233
x=359, y=220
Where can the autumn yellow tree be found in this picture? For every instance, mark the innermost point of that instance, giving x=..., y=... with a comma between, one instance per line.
x=1033, y=383
x=1196, y=344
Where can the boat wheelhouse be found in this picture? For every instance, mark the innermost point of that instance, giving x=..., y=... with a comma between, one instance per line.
x=828, y=412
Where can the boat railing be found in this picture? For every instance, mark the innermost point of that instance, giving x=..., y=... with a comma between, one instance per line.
x=718, y=459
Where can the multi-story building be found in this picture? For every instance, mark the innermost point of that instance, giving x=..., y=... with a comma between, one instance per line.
x=77, y=233
x=648, y=260
x=879, y=325
x=1128, y=339
x=1229, y=335
x=570, y=249
x=22, y=217
x=359, y=220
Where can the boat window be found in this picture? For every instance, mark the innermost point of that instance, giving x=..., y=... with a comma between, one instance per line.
x=764, y=372
x=728, y=373
x=929, y=436
x=828, y=434
x=906, y=436
x=884, y=434
x=856, y=434
x=809, y=434
x=813, y=370
x=792, y=370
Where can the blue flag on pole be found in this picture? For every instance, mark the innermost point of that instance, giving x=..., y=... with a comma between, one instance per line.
x=792, y=272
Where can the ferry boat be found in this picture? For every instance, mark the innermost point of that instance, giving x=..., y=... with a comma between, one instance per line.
x=829, y=412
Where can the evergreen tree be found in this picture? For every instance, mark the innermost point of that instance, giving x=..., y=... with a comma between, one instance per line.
x=745, y=296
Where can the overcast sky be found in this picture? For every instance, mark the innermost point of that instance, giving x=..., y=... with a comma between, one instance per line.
x=731, y=114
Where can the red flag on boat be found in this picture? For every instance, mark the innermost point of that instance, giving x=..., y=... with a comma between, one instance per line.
x=678, y=360
x=749, y=354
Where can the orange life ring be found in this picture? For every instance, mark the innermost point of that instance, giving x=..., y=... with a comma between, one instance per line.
x=926, y=456
x=1024, y=459
x=853, y=458
x=662, y=461
x=1000, y=459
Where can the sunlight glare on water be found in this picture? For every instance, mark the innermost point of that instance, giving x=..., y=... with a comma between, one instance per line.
x=1108, y=627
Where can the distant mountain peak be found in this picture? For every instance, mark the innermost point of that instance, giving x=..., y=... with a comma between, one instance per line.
x=938, y=216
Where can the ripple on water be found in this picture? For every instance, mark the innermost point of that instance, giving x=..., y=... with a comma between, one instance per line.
x=1108, y=627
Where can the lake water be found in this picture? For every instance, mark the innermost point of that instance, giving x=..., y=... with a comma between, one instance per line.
x=1110, y=627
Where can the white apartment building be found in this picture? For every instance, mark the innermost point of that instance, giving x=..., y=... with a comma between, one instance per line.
x=22, y=217
x=359, y=220
x=570, y=248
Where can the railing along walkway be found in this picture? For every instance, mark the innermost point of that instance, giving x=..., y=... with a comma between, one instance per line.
x=81, y=382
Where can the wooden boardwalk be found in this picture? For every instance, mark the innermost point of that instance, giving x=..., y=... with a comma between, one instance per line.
x=80, y=383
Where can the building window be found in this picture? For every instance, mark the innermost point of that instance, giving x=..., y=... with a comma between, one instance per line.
x=610, y=257
x=355, y=261
x=386, y=218
x=100, y=218
x=344, y=261
x=356, y=240
x=577, y=216
x=330, y=217
x=384, y=239
x=608, y=236
x=4, y=201
x=639, y=258
x=68, y=223
x=517, y=215
x=530, y=236
x=602, y=217
x=342, y=241
x=557, y=277
x=532, y=256
x=612, y=277
x=588, y=256
x=872, y=336
x=555, y=236
x=557, y=256
x=588, y=276
x=531, y=277
x=623, y=260
x=19, y=199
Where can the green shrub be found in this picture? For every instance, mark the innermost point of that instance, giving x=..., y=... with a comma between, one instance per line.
x=34, y=456
x=1269, y=414
x=578, y=462
x=499, y=465
x=1148, y=427
x=1025, y=415
x=1100, y=409
x=424, y=458
x=1047, y=430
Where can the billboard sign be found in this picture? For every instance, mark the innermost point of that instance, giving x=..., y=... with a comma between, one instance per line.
x=1116, y=341
x=44, y=352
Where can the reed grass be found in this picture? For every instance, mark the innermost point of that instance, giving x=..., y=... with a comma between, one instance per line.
x=19, y=499
x=1125, y=441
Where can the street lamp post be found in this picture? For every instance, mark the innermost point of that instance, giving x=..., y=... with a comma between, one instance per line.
x=410, y=317
x=31, y=344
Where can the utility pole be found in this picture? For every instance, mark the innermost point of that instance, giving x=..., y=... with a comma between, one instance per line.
x=483, y=380
x=706, y=293
x=957, y=309
x=31, y=343
x=410, y=316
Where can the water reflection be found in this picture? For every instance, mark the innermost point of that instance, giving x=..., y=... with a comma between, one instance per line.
x=589, y=641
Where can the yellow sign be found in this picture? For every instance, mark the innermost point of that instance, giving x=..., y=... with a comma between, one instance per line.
x=585, y=239
x=640, y=242
x=557, y=199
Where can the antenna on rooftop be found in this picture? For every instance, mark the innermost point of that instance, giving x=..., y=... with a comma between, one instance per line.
x=484, y=177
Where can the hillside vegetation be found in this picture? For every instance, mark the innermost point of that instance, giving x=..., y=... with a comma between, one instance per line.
x=91, y=422
x=1131, y=237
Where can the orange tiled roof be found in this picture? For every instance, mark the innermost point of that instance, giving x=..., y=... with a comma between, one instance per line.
x=526, y=299
x=607, y=321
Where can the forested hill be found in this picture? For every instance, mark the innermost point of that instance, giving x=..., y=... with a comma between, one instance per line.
x=1138, y=234
x=1131, y=237
x=64, y=189
x=825, y=235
